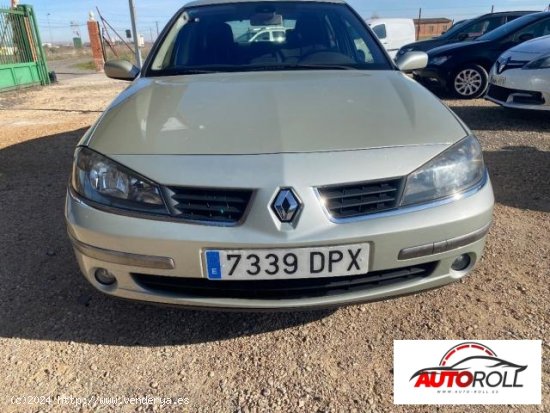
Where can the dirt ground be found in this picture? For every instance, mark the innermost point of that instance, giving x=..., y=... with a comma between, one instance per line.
x=59, y=337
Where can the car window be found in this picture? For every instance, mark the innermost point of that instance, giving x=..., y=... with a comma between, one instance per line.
x=510, y=28
x=483, y=26
x=494, y=22
x=380, y=31
x=262, y=37
x=266, y=36
x=455, y=29
x=538, y=29
x=361, y=48
x=279, y=36
x=511, y=18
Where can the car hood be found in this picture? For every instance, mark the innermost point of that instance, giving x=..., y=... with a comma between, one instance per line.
x=272, y=112
x=530, y=49
x=424, y=45
x=455, y=47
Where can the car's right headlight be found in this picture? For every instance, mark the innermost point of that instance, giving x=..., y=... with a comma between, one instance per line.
x=540, y=63
x=452, y=172
x=104, y=181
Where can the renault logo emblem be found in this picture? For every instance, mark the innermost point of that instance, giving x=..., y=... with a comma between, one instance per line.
x=501, y=65
x=286, y=205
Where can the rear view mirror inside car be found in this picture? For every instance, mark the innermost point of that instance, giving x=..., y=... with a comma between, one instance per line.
x=266, y=19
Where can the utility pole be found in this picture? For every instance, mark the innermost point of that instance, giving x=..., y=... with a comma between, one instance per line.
x=139, y=62
x=157, y=23
x=50, y=28
x=418, y=23
x=492, y=9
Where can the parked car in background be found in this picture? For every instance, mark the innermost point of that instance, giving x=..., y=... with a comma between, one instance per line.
x=456, y=24
x=520, y=78
x=393, y=33
x=263, y=34
x=342, y=181
x=463, y=68
x=465, y=30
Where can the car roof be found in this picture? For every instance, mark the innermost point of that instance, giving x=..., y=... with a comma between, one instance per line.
x=501, y=13
x=198, y=3
x=511, y=12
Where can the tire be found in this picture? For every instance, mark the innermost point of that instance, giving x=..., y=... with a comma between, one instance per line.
x=470, y=82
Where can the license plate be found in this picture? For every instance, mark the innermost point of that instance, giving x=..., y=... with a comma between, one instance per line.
x=498, y=80
x=277, y=264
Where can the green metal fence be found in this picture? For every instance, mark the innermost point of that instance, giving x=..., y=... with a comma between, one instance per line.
x=22, y=59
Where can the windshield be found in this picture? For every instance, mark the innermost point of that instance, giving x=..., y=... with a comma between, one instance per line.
x=509, y=28
x=457, y=28
x=253, y=36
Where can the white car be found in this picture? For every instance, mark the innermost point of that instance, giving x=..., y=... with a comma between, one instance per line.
x=521, y=76
x=265, y=34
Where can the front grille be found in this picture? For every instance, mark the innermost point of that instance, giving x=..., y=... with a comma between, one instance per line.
x=526, y=97
x=209, y=205
x=504, y=65
x=356, y=200
x=282, y=289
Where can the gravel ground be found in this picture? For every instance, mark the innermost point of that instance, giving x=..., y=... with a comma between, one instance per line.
x=60, y=337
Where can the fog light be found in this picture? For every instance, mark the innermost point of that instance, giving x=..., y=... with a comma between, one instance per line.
x=461, y=263
x=104, y=277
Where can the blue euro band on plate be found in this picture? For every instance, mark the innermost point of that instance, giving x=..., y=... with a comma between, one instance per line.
x=213, y=266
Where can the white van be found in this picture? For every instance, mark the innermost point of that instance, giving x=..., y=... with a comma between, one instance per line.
x=393, y=33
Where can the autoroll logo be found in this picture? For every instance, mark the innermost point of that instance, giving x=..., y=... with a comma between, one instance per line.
x=467, y=372
x=470, y=365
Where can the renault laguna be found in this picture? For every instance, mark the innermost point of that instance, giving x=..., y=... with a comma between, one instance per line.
x=296, y=171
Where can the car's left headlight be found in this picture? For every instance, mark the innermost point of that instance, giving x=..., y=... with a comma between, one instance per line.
x=541, y=63
x=438, y=60
x=104, y=181
x=452, y=172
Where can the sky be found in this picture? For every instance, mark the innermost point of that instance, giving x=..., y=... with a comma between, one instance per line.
x=55, y=16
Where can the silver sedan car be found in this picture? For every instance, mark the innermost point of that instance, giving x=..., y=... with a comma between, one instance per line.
x=520, y=79
x=291, y=174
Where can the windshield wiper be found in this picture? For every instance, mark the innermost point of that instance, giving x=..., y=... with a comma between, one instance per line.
x=324, y=67
x=227, y=69
x=297, y=67
x=194, y=71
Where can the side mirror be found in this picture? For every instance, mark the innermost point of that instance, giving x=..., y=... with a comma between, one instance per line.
x=121, y=70
x=462, y=36
x=412, y=61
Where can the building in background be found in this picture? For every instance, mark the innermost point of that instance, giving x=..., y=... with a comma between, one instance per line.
x=432, y=27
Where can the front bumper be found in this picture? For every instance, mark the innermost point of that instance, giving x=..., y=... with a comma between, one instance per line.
x=172, y=250
x=432, y=76
x=521, y=89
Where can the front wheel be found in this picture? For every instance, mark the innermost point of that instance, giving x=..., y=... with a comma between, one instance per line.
x=470, y=82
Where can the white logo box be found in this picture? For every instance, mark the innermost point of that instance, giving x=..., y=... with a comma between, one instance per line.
x=467, y=371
